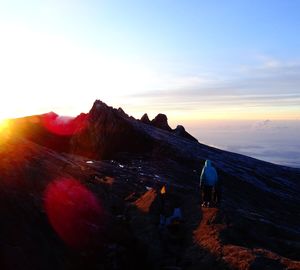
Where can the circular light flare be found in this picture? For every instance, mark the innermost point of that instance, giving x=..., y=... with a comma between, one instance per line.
x=74, y=212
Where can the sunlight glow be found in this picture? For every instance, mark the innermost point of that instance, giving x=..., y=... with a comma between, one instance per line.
x=5, y=131
x=4, y=125
x=40, y=72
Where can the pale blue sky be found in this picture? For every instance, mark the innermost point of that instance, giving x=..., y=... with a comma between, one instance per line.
x=190, y=59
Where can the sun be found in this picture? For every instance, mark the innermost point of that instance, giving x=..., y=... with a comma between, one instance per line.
x=4, y=125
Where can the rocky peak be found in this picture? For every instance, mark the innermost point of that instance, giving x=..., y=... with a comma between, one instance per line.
x=99, y=109
x=180, y=131
x=122, y=113
x=110, y=131
x=145, y=119
x=103, y=111
x=161, y=121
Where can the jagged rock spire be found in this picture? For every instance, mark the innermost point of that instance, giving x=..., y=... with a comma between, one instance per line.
x=145, y=119
x=161, y=121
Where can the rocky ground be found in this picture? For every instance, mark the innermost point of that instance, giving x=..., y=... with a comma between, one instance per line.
x=89, y=198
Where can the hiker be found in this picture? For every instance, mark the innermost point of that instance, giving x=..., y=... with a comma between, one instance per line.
x=208, y=182
x=162, y=216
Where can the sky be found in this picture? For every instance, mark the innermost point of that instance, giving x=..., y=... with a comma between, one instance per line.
x=220, y=68
x=192, y=60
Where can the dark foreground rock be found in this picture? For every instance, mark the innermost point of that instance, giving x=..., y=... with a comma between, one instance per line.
x=90, y=198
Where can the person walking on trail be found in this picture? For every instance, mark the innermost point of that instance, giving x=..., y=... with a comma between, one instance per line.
x=208, y=181
x=162, y=217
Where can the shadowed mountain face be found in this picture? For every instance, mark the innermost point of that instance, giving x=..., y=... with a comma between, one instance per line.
x=109, y=131
x=83, y=193
x=101, y=134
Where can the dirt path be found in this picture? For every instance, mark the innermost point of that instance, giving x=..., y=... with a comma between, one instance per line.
x=207, y=235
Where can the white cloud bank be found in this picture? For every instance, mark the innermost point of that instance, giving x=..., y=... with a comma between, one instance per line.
x=273, y=141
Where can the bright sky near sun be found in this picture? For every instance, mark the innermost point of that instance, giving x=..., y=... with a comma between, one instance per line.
x=189, y=59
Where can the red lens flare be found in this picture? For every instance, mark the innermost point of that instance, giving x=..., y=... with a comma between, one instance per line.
x=74, y=212
x=64, y=126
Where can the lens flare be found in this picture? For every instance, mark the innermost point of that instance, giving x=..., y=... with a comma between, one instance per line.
x=64, y=126
x=75, y=213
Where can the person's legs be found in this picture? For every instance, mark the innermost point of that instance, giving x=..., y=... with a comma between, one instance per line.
x=217, y=195
x=202, y=195
x=203, y=192
x=207, y=193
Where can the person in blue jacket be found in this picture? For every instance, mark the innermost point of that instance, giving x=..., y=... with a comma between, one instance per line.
x=208, y=182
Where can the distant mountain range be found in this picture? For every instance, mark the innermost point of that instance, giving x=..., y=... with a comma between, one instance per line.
x=54, y=171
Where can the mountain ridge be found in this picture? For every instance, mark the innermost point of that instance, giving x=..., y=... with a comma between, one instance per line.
x=256, y=226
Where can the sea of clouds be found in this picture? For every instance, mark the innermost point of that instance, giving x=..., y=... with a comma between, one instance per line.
x=274, y=141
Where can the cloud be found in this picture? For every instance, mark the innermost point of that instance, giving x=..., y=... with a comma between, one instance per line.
x=282, y=81
x=271, y=85
x=267, y=141
x=262, y=124
x=269, y=125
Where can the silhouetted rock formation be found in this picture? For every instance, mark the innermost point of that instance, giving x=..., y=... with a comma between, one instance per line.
x=180, y=131
x=145, y=119
x=102, y=133
x=161, y=121
x=122, y=113
x=108, y=132
x=49, y=129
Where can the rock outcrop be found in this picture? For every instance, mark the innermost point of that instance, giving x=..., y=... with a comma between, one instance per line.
x=108, y=133
x=161, y=121
x=180, y=131
x=102, y=133
x=122, y=113
x=145, y=119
